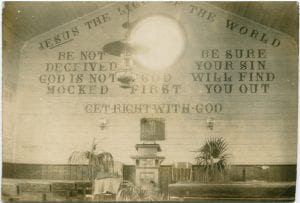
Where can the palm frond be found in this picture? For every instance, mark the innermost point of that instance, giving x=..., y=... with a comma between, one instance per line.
x=213, y=157
x=132, y=192
x=106, y=160
x=96, y=162
x=78, y=157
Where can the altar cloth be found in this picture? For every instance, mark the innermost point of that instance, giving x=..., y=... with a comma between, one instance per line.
x=107, y=185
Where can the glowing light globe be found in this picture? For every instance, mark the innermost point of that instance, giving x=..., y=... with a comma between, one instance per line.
x=159, y=41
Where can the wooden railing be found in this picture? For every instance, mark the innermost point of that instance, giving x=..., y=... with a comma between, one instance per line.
x=271, y=173
x=45, y=171
x=181, y=174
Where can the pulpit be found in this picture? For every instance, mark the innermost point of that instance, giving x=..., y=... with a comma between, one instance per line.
x=147, y=164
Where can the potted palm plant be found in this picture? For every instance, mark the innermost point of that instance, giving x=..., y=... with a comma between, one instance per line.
x=97, y=162
x=213, y=157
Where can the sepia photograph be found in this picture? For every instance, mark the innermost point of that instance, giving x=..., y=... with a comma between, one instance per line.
x=149, y=101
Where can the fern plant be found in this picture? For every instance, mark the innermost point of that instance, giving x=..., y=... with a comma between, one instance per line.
x=131, y=192
x=213, y=158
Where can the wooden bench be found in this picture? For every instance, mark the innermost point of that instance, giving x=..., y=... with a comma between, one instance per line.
x=245, y=190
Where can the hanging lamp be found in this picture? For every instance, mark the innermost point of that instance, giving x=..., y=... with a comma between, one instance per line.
x=125, y=76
